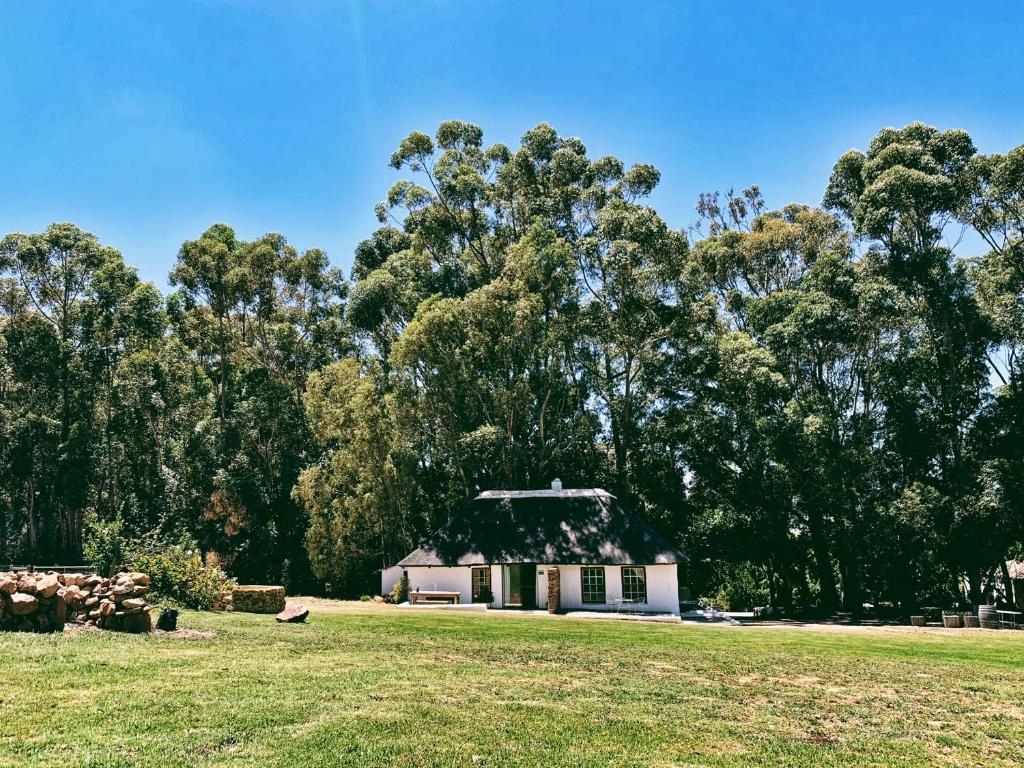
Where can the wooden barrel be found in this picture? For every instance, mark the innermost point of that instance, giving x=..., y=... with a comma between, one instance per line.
x=987, y=617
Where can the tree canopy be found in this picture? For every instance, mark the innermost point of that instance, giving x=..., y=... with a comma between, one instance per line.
x=822, y=404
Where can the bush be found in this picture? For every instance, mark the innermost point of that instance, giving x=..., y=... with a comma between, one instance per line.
x=103, y=543
x=485, y=596
x=400, y=592
x=366, y=598
x=180, y=576
x=745, y=586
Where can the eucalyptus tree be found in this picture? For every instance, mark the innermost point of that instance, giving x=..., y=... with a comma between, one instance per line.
x=902, y=196
x=257, y=318
x=72, y=311
x=794, y=458
x=996, y=212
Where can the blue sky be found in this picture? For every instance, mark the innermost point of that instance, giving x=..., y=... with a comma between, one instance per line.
x=146, y=122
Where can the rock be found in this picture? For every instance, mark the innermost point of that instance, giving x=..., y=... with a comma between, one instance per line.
x=293, y=614
x=140, y=579
x=27, y=584
x=133, y=603
x=72, y=594
x=8, y=585
x=107, y=608
x=21, y=604
x=124, y=589
x=168, y=620
x=137, y=623
x=48, y=585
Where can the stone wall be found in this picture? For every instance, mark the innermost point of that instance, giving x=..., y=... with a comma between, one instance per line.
x=44, y=602
x=255, y=598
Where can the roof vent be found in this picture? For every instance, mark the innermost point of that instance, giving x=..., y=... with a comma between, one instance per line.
x=556, y=484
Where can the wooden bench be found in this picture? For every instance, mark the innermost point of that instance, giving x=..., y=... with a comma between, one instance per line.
x=434, y=597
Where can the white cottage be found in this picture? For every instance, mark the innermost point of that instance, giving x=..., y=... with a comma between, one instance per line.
x=503, y=546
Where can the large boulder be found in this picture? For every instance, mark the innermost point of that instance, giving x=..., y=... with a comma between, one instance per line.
x=22, y=604
x=293, y=614
x=47, y=585
x=8, y=585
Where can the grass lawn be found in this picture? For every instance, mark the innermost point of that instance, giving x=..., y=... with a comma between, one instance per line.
x=375, y=686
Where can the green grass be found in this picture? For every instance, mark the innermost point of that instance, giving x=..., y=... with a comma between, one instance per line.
x=368, y=686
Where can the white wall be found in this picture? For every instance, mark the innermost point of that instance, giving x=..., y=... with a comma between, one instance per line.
x=453, y=579
x=662, y=589
x=662, y=586
x=388, y=577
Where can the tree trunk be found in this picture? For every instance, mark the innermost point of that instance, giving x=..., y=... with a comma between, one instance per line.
x=822, y=560
x=853, y=599
x=1007, y=583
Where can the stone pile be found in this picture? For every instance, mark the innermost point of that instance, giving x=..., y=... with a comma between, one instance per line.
x=256, y=598
x=43, y=602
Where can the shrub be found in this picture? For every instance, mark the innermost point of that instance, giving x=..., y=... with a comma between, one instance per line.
x=103, y=543
x=485, y=596
x=366, y=598
x=745, y=586
x=400, y=592
x=180, y=576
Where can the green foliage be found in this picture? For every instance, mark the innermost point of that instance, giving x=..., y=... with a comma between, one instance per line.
x=823, y=405
x=400, y=592
x=743, y=588
x=105, y=546
x=179, y=574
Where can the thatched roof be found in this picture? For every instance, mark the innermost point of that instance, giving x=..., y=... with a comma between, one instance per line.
x=582, y=526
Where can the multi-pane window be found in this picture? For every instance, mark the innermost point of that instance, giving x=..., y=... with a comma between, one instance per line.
x=634, y=583
x=482, y=585
x=593, y=584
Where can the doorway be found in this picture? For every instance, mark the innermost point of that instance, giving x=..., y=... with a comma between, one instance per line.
x=520, y=586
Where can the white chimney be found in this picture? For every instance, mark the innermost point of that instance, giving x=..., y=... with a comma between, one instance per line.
x=556, y=484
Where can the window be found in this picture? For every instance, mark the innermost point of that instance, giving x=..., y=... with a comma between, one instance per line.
x=482, y=585
x=634, y=583
x=593, y=584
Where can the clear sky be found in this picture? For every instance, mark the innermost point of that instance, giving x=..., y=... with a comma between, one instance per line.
x=147, y=122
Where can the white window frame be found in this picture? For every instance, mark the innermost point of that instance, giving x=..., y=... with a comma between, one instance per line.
x=643, y=581
x=583, y=585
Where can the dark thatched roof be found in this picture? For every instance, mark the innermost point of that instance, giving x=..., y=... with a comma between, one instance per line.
x=585, y=526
